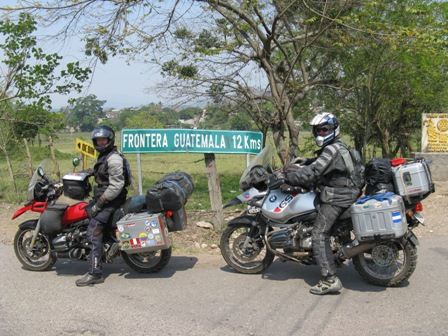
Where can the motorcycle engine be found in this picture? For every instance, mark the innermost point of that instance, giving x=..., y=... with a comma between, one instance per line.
x=297, y=238
x=71, y=244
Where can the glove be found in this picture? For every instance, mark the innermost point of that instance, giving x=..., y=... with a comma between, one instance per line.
x=289, y=189
x=92, y=209
x=299, y=160
x=290, y=167
x=275, y=181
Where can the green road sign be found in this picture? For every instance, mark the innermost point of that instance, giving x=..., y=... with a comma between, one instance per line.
x=190, y=141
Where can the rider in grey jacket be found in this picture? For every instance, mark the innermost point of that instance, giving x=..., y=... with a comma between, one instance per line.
x=109, y=194
x=331, y=175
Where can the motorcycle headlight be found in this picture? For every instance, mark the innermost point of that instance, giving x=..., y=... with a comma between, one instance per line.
x=256, y=178
x=40, y=191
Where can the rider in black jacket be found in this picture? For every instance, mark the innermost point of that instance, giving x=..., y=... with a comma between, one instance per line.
x=337, y=192
x=109, y=194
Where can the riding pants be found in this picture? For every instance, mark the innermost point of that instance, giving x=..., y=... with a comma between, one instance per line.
x=323, y=254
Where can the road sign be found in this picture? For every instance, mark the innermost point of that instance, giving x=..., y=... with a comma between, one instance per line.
x=190, y=141
x=85, y=148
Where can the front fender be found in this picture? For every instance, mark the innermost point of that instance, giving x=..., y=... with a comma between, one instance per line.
x=245, y=220
x=29, y=224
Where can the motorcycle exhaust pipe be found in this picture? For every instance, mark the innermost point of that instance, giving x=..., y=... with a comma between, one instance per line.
x=301, y=254
x=350, y=251
x=75, y=254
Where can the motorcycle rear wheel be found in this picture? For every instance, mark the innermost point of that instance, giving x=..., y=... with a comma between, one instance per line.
x=387, y=264
x=253, y=259
x=148, y=262
x=39, y=258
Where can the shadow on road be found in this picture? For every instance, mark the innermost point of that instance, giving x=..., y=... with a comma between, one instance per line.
x=288, y=271
x=66, y=267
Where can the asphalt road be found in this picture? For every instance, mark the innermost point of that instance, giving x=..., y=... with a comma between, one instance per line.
x=197, y=297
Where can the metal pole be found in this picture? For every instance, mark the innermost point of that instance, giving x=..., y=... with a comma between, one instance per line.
x=139, y=168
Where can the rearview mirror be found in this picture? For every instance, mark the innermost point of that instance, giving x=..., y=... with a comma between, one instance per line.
x=76, y=161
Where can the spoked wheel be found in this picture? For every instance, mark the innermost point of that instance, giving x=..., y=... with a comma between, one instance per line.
x=244, y=254
x=148, y=262
x=38, y=257
x=387, y=264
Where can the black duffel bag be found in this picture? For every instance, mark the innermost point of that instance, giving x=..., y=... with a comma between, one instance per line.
x=170, y=193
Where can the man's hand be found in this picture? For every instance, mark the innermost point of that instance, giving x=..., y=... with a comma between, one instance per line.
x=93, y=208
x=299, y=160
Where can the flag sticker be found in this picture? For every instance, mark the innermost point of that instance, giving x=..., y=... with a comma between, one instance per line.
x=396, y=217
x=135, y=243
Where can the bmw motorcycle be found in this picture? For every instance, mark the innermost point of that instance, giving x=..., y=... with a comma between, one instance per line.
x=278, y=222
x=60, y=231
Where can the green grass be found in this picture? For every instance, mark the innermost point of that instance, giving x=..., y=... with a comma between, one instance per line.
x=153, y=167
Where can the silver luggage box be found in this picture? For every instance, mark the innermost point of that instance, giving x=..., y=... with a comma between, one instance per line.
x=143, y=232
x=378, y=218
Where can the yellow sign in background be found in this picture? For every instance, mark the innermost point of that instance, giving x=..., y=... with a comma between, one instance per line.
x=85, y=148
x=435, y=132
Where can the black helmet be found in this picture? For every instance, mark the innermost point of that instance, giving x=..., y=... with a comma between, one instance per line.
x=103, y=131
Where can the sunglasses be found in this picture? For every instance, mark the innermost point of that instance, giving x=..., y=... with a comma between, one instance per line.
x=323, y=129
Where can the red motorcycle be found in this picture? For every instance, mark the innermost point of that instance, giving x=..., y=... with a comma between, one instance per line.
x=139, y=235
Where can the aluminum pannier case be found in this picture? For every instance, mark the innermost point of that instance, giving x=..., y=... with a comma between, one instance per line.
x=413, y=181
x=381, y=216
x=143, y=232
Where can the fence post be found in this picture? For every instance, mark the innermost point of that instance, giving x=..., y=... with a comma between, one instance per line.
x=214, y=190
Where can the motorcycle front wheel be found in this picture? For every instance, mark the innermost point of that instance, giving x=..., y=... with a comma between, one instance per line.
x=148, y=262
x=245, y=254
x=387, y=264
x=38, y=257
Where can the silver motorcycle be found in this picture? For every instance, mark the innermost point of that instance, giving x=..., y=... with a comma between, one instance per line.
x=278, y=222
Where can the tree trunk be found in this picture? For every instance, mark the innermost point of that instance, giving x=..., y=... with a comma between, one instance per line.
x=214, y=190
x=280, y=144
x=11, y=173
x=28, y=154
x=53, y=157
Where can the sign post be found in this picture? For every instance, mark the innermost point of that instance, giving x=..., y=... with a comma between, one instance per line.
x=209, y=142
x=86, y=149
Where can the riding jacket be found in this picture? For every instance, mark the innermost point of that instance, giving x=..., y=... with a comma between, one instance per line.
x=109, y=176
x=329, y=173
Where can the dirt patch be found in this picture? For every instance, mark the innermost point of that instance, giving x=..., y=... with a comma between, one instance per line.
x=197, y=240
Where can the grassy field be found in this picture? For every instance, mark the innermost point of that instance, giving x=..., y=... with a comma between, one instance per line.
x=154, y=166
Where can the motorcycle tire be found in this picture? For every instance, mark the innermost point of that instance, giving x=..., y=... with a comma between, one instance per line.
x=254, y=259
x=388, y=264
x=40, y=258
x=148, y=262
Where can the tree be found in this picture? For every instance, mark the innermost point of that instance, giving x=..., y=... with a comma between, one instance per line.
x=143, y=119
x=28, y=77
x=266, y=52
x=29, y=74
x=85, y=112
x=257, y=54
x=393, y=75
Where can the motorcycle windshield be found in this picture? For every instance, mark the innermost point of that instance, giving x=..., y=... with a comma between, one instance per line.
x=45, y=165
x=263, y=159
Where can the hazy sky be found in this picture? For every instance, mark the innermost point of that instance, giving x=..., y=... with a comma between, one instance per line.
x=119, y=84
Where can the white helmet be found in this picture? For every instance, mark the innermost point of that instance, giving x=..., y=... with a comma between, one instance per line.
x=329, y=123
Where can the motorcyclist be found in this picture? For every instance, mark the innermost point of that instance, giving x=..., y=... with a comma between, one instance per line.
x=337, y=192
x=109, y=194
